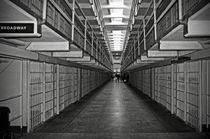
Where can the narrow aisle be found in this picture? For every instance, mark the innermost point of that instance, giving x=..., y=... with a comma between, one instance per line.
x=115, y=111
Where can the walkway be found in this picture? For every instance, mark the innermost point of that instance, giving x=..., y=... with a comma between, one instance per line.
x=115, y=111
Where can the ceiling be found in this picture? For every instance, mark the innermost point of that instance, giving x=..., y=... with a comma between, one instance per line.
x=115, y=15
x=110, y=20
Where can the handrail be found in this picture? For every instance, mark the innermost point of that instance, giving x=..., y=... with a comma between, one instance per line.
x=28, y=7
x=88, y=37
x=141, y=37
x=65, y=13
x=84, y=17
x=79, y=9
x=165, y=11
x=147, y=13
x=79, y=31
x=163, y=27
x=78, y=23
x=88, y=47
x=148, y=32
x=141, y=47
x=149, y=24
x=161, y=6
x=61, y=11
x=150, y=39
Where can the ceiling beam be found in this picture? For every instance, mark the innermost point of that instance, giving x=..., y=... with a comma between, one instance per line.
x=115, y=7
x=115, y=27
x=116, y=24
x=116, y=16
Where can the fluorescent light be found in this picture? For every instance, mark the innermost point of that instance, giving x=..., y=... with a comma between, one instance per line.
x=122, y=34
x=116, y=39
x=116, y=45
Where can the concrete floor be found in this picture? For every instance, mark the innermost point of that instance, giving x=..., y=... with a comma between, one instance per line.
x=115, y=111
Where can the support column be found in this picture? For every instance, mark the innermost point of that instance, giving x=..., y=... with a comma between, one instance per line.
x=200, y=97
x=85, y=48
x=207, y=98
x=172, y=89
x=92, y=43
x=28, y=98
x=21, y=93
x=58, y=89
x=73, y=13
x=155, y=20
x=145, y=48
x=185, y=91
x=43, y=93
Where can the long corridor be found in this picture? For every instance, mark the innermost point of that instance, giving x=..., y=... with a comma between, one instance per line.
x=115, y=111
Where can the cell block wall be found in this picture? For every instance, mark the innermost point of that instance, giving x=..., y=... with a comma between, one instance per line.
x=182, y=88
x=193, y=88
x=50, y=91
x=36, y=93
x=52, y=88
x=164, y=86
x=66, y=90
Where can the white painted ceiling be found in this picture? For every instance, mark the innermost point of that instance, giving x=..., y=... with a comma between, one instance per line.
x=115, y=18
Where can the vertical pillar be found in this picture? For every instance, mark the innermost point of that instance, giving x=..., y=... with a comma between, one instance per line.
x=28, y=98
x=145, y=48
x=58, y=88
x=207, y=98
x=44, y=11
x=134, y=49
x=200, y=96
x=97, y=45
x=155, y=20
x=92, y=43
x=158, y=94
x=138, y=43
x=176, y=89
x=180, y=9
x=172, y=89
x=185, y=91
x=43, y=93
x=73, y=14
x=85, y=40
x=21, y=93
